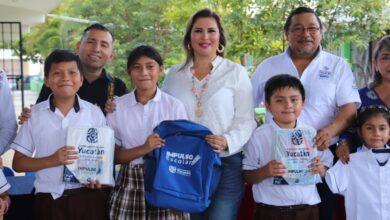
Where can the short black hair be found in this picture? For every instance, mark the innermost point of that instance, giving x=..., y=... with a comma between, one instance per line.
x=367, y=112
x=143, y=50
x=58, y=56
x=97, y=26
x=297, y=11
x=282, y=81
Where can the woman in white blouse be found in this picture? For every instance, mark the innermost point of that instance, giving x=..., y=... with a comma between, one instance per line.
x=218, y=94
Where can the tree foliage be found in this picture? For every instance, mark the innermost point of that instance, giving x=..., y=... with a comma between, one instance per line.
x=254, y=28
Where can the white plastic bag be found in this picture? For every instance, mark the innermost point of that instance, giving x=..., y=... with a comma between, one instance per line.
x=95, y=146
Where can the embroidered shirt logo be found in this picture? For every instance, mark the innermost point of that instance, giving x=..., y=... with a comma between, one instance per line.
x=325, y=73
x=92, y=135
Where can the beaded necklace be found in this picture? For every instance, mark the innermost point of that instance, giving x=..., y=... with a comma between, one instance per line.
x=199, y=92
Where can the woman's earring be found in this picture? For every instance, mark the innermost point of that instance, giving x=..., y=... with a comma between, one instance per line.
x=189, y=46
x=220, y=48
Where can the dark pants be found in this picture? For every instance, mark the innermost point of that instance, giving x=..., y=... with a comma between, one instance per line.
x=227, y=199
x=75, y=204
x=328, y=199
x=295, y=212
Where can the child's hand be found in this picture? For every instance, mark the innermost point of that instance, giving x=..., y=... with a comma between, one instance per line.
x=93, y=185
x=317, y=167
x=342, y=152
x=65, y=155
x=153, y=141
x=274, y=168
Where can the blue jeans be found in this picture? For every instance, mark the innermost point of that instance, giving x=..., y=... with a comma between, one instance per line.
x=227, y=199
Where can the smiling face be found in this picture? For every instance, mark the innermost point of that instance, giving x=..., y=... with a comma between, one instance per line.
x=285, y=105
x=304, y=35
x=145, y=73
x=205, y=37
x=375, y=131
x=64, y=79
x=382, y=64
x=95, y=49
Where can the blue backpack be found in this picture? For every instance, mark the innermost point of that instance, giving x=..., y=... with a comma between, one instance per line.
x=184, y=173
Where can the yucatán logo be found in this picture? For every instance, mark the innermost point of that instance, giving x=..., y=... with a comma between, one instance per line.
x=297, y=137
x=92, y=135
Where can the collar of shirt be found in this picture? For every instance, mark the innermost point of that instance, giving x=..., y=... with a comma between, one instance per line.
x=50, y=105
x=104, y=76
x=156, y=98
x=287, y=52
x=275, y=126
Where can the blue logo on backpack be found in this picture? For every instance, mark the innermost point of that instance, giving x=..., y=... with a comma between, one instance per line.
x=184, y=173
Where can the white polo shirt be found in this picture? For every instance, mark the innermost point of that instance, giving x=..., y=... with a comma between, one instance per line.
x=258, y=153
x=133, y=122
x=328, y=82
x=45, y=132
x=364, y=184
x=8, y=124
x=227, y=103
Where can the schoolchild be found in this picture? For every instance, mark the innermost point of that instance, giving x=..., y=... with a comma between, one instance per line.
x=284, y=98
x=133, y=121
x=40, y=145
x=364, y=181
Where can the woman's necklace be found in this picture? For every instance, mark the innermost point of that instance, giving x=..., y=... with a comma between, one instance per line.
x=199, y=92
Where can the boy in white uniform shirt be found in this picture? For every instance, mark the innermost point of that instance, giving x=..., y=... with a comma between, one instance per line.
x=365, y=180
x=40, y=144
x=284, y=99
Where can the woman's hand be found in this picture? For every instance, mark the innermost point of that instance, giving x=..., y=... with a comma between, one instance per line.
x=218, y=142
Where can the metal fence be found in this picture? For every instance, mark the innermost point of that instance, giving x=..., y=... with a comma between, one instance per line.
x=11, y=55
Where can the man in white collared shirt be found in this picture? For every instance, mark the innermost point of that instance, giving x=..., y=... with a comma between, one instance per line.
x=8, y=125
x=332, y=97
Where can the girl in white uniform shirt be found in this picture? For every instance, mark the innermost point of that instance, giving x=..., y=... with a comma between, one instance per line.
x=216, y=93
x=133, y=121
x=365, y=180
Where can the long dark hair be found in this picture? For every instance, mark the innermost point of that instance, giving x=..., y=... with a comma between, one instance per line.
x=383, y=44
x=204, y=13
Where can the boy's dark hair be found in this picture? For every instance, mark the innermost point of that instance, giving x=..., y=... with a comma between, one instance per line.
x=282, y=81
x=97, y=26
x=367, y=112
x=297, y=11
x=58, y=56
x=143, y=50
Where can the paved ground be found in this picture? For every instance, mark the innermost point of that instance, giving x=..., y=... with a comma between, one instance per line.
x=29, y=98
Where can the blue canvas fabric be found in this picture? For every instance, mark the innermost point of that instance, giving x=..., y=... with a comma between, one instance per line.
x=184, y=173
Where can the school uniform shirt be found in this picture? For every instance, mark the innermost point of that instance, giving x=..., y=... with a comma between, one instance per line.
x=258, y=153
x=364, y=183
x=45, y=132
x=133, y=122
x=328, y=82
x=227, y=103
x=8, y=124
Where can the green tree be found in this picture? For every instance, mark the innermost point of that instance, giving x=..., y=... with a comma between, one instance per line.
x=254, y=28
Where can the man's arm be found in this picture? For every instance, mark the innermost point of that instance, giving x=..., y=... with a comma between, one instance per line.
x=342, y=121
x=8, y=124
